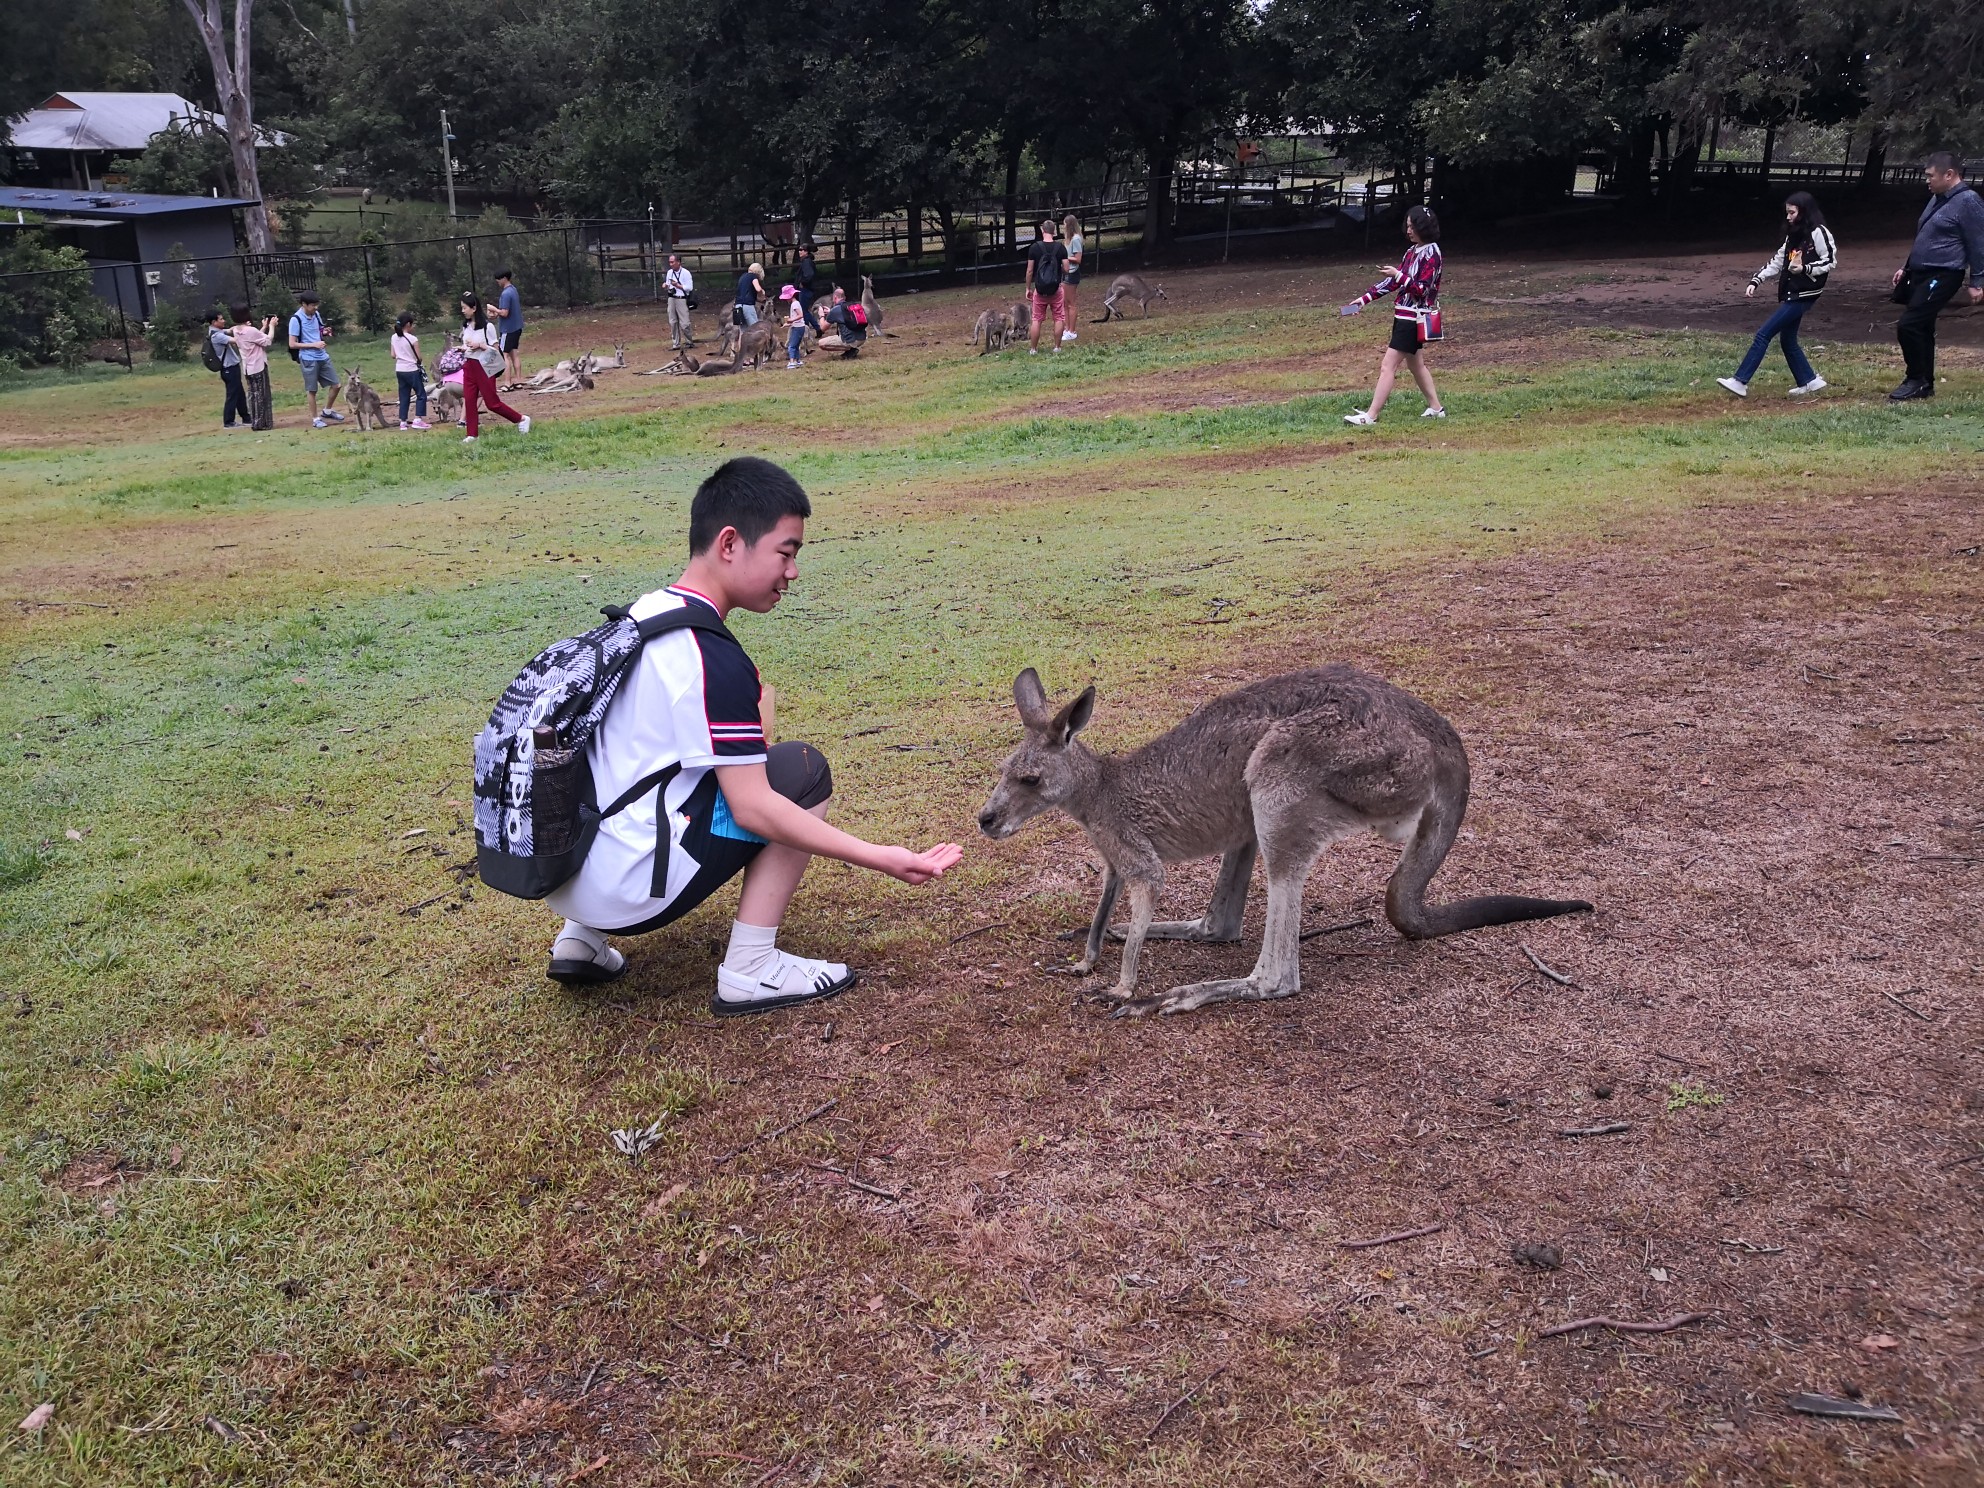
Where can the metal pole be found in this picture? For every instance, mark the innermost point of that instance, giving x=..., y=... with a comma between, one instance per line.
x=371, y=304
x=654, y=260
x=123, y=325
x=448, y=163
x=469, y=242
x=570, y=298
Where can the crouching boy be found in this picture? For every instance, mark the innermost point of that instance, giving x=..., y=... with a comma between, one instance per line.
x=693, y=699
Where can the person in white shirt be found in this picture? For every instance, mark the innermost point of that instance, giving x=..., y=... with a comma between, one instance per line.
x=678, y=284
x=694, y=701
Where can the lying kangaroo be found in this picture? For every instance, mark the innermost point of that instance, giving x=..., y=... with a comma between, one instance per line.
x=1283, y=767
x=1129, y=287
x=364, y=402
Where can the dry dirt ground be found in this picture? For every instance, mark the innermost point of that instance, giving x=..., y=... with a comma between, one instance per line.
x=1025, y=1233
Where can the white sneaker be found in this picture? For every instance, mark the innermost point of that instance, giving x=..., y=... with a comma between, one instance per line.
x=1067, y=335
x=1816, y=385
x=787, y=982
x=469, y=440
x=576, y=964
x=523, y=424
x=1361, y=418
x=1440, y=412
x=1740, y=389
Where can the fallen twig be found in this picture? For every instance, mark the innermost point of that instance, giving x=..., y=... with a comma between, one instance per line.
x=1912, y=1012
x=812, y=1115
x=979, y=931
x=598, y=1364
x=1681, y=1320
x=1182, y=1401
x=589, y=1469
x=1974, y=1157
x=1611, y=1128
x=854, y=1182
x=1430, y=1229
x=1333, y=929
x=1807, y=1404
x=417, y=908
x=1548, y=970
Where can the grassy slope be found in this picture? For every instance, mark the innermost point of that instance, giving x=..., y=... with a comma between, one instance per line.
x=346, y=1110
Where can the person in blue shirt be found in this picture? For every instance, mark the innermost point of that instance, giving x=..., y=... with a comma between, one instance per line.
x=750, y=289
x=509, y=317
x=307, y=335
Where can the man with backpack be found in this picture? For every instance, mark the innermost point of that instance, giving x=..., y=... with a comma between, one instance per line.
x=307, y=335
x=1948, y=238
x=220, y=355
x=849, y=319
x=657, y=723
x=1046, y=285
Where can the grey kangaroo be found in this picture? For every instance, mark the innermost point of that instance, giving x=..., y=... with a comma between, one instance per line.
x=1283, y=767
x=364, y=402
x=1130, y=287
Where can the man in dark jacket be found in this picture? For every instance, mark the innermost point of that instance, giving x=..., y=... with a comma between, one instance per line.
x=1948, y=239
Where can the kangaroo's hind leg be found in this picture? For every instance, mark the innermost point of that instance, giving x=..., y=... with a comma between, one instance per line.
x=1221, y=921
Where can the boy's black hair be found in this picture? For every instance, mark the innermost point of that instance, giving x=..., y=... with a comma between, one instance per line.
x=216, y=314
x=1422, y=221
x=747, y=493
x=504, y=274
x=307, y=297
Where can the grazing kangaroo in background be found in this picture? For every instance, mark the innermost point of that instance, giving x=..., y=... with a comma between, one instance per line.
x=364, y=402
x=1283, y=768
x=447, y=402
x=1129, y=287
x=1019, y=320
x=993, y=331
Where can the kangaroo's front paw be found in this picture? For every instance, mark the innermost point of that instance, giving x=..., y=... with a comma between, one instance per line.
x=1079, y=969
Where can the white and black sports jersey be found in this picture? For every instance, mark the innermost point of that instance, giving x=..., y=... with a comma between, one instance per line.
x=691, y=699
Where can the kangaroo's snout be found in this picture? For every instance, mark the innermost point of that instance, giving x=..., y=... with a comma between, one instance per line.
x=987, y=820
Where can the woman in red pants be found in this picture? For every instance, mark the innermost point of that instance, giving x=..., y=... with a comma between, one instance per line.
x=484, y=345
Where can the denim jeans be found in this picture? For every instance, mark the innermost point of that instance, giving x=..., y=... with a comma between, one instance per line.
x=1783, y=327
x=412, y=385
x=793, y=336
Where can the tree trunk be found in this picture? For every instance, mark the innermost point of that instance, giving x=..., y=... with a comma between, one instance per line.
x=851, y=262
x=1013, y=196
x=915, y=231
x=1877, y=159
x=1681, y=169
x=1162, y=161
x=947, y=224
x=232, y=84
x=1632, y=178
x=1770, y=148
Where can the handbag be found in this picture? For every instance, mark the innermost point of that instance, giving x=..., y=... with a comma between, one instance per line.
x=1430, y=326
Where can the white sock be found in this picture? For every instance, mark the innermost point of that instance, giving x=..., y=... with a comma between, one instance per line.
x=752, y=948
x=575, y=931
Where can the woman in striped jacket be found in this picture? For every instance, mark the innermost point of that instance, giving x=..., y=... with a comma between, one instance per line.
x=1800, y=266
x=1415, y=315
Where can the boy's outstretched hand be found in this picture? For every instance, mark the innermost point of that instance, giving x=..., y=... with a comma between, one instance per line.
x=920, y=868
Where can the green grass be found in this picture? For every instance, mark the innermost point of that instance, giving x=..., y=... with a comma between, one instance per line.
x=243, y=679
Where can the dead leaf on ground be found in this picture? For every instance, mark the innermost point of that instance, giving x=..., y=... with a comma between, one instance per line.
x=1874, y=1343
x=39, y=1417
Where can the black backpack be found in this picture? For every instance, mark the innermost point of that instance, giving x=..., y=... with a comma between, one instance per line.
x=210, y=356
x=1047, y=273
x=295, y=330
x=535, y=813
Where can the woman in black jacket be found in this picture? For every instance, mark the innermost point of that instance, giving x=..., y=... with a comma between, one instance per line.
x=1800, y=266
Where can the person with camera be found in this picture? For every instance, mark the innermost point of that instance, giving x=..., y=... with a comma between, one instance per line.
x=679, y=286
x=1948, y=237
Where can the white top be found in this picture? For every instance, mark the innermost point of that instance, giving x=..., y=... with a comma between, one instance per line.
x=678, y=282
x=486, y=346
x=406, y=353
x=692, y=699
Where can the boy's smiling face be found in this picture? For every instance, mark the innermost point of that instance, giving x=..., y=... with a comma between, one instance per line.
x=756, y=574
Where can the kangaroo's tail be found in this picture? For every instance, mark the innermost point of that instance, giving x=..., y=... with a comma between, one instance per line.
x=1405, y=896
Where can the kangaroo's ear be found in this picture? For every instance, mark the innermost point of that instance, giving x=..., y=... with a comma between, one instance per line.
x=1072, y=719
x=1031, y=698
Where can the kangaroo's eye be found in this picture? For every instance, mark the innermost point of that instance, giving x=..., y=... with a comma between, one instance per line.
x=1029, y=781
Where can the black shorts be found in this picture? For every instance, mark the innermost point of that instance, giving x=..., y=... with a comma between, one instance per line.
x=799, y=772
x=1405, y=336
x=1074, y=277
x=510, y=339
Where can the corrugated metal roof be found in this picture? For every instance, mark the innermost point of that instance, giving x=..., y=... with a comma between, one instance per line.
x=104, y=121
x=108, y=206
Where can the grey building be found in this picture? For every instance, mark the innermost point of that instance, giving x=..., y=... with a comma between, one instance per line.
x=143, y=248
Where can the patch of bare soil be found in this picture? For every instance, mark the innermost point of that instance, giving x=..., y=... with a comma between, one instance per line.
x=1028, y=1242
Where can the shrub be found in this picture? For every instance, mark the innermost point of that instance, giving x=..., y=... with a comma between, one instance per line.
x=423, y=299
x=62, y=284
x=170, y=334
